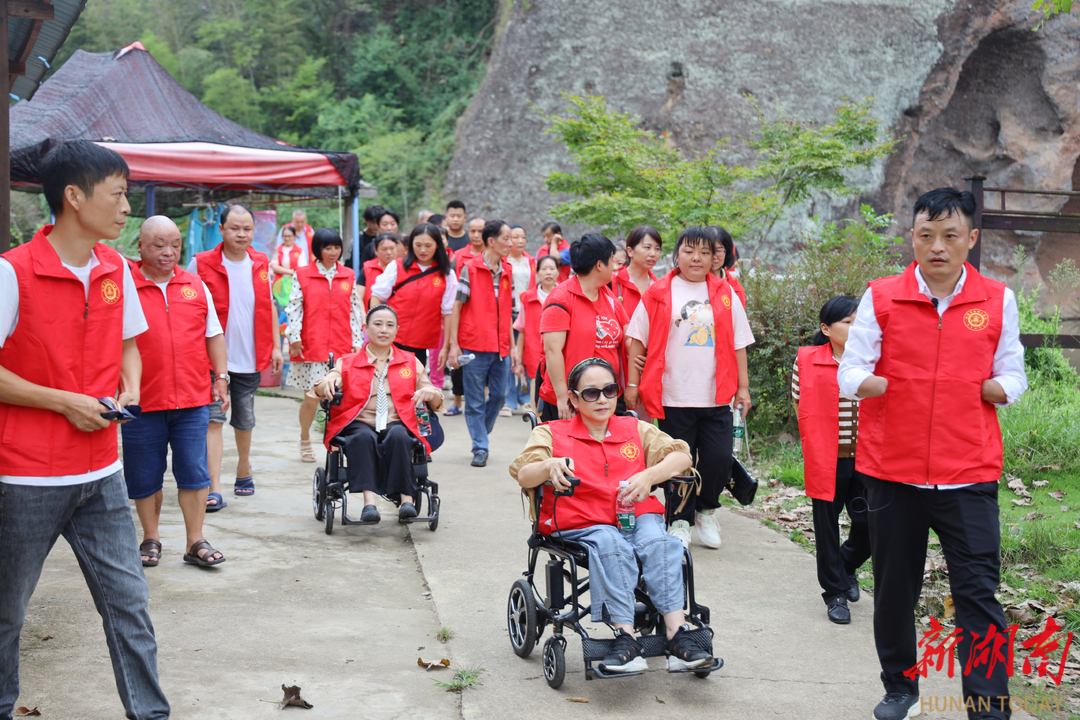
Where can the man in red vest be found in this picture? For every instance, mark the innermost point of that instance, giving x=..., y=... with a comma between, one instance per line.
x=931, y=355
x=239, y=279
x=462, y=257
x=304, y=232
x=481, y=325
x=69, y=314
x=184, y=369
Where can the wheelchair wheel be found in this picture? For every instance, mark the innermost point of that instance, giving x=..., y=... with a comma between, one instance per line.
x=521, y=618
x=702, y=675
x=418, y=501
x=433, y=524
x=554, y=661
x=328, y=519
x=318, y=493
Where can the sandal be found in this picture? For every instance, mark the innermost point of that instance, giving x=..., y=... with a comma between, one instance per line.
x=192, y=555
x=218, y=500
x=151, y=548
x=244, y=486
x=452, y=411
x=306, y=453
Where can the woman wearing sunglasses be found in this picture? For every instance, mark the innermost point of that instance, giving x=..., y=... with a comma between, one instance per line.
x=604, y=450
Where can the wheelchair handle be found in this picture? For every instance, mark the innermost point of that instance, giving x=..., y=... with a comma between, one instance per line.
x=681, y=479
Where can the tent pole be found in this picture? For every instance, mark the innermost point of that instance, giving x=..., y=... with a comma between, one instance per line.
x=354, y=216
x=151, y=200
x=5, y=142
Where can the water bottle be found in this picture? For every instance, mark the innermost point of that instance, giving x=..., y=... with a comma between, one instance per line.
x=423, y=420
x=464, y=360
x=624, y=509
x=738, y=431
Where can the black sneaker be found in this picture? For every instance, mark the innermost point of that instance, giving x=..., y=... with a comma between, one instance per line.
x=370, y=514
x=625, y=655
x=407, y=511
x=838, y=610
x=897, y=706
x=479, y=458
x=853, y=588
x=685, y=652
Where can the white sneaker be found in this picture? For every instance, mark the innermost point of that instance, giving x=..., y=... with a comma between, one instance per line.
x=708, y=530
x=506, y=412
x=681, y=530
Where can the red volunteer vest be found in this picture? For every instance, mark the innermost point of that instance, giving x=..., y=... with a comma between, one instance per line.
x=601, y=467
x=657, y=301
x=213, y=273
x=626, y=292
x=533, y=351
x=932, y=426
x=372, y=271
x=304, y=235
x=176, y=368
x=418, y=305
x=357, y=387
x=327, y=312
x=819, y=419
x=485, y=320
x=294, y=255
x=737, y=287
x=564, y=268
x=68, y=340
x=583, y=336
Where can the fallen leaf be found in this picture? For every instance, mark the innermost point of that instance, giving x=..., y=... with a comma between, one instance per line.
x=1064, y=508
x=949, y=609
x=292, y=697
x=1020, y=615
x=1033, y=515
x=441, y=665
x=47, y=637
x=1021, y=503
x=1040, y=483
x=659, y=700
x=1017, y=486
x=582, y=700
x=27, y=712
x=1057, y=494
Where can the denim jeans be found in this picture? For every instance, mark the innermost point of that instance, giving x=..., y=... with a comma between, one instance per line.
x=486, y=370
x=613, y=570
x=146, y=448
x=95, y=519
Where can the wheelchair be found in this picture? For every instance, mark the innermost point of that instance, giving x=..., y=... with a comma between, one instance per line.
x=529, y=612
x=329, y=489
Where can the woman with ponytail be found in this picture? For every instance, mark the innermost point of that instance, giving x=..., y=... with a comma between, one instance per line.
x=828, y=426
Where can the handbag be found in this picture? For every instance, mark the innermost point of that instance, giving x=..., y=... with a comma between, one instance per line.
x=437, y=436
x=742, y=486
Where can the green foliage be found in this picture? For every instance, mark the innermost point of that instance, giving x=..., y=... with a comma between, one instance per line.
x=1050, y=8
x=627, y=176
x=836, y=258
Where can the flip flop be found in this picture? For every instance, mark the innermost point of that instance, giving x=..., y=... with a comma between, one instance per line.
x=244, y=486
x=454, y=410
x=192, y=555
x=216, y=497
x=152, y=549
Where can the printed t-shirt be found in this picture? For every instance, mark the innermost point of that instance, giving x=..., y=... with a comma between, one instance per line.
x=608, y=320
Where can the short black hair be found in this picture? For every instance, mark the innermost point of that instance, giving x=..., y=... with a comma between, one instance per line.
x=80, y=163
x=433, y=231
x=382, y=236
x=372, y=213
x=723, y=238
x=590, y=249
x=516, y=227
x=553, y=227
x=941, y=203
x=638, y=234
x=324, y=237
x=381, y=308
x=694, y=236
x=392, y=214
x=456, y=204
x=834, y=310
x=553, y=258
x=436, y=219
x=492, y=228
x=235, y=206
x=290, y=228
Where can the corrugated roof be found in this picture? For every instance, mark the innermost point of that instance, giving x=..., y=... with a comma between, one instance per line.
x=46, y=45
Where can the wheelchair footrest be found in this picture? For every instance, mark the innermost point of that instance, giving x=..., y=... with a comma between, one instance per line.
x=346, y=520
x=716, y=665
x=420, y=519
x=597, y=672
x=652, y=645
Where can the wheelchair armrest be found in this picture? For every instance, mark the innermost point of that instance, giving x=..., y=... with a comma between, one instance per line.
x=530, y=417
x=681, y=479
x=574, y=482
x=327, y=404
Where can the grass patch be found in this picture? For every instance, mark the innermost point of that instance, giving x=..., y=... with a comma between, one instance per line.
x=464, y=679
x=444, y=634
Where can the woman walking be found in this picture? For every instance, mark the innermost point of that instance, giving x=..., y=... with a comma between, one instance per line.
x=530, y=343
x=629, y=283
x=385, y=253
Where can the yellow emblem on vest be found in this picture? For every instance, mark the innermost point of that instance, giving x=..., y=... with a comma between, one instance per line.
x=437, y=281
x=187, y=293
x=405, y=372
x=629, y=451
x=110, y=291
x=345, y=285
x=976, y=320
x=726, y=300
x=263, y=276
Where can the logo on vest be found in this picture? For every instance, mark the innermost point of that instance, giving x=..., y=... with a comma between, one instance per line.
x=405, y=372
x=437, y=281
x=187, y=293
x=976, y=320
x=263, y=276
x=110, y=291
x=629, y=451
x=726, y=300
x=345, y=285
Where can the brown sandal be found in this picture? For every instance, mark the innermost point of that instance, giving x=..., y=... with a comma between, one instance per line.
x=192, y=555
x=151, y=548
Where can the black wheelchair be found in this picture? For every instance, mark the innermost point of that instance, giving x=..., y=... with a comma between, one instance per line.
x=528, y=612
x=329, y=490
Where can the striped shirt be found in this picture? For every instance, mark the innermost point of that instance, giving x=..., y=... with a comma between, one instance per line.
x=849, y=417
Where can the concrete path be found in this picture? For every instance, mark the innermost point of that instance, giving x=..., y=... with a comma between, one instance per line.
x=345, y=617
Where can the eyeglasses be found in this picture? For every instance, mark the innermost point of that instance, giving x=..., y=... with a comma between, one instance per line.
x=591, y=394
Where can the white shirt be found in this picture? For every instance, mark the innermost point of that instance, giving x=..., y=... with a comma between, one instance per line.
x=240, y=327
x=863, y=348
x=134, y=324
x=213, y=325
x=384, y=287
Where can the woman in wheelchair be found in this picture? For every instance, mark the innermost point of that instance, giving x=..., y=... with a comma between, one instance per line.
x=603, y=450
x=376, y=422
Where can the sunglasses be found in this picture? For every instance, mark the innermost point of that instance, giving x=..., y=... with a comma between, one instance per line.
x=591, y=394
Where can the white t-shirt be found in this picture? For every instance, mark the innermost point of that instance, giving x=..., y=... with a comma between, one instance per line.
x=240, y=327
x=213, y=325
x=134, y=324
x=522, y=272
x=690, y=359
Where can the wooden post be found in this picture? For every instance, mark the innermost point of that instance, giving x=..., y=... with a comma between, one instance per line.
x=5, y=141
x=974, y=185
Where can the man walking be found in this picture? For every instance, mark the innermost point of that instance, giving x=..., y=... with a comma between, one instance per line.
x=184, y=368
x=481, y=325
x=455, y=225
x=239, y=280
x=931, y=353
x=69, y=314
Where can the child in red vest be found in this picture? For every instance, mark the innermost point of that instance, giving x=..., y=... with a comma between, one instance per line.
x=828, y=426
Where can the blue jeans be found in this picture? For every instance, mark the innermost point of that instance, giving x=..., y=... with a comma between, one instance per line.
x=613, y=569
x=95, y=519
x=488, y=370
x=515, y=396
x=146, y=448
